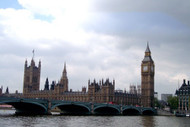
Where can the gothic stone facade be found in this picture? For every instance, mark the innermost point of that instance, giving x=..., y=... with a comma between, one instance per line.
x=98, y=92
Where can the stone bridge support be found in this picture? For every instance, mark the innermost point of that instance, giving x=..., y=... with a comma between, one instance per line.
x=49, y=107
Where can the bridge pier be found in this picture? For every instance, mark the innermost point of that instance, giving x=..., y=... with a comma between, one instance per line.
x=92, y=108
x=121, y=109
x=49, y=108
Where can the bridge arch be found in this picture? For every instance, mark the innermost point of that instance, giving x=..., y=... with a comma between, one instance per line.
x=106, y=110
x=26, y=107
x=73, y=108
x=148, y=112
x=130, y=111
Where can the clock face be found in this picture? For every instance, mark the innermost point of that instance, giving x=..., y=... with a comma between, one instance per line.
x=145, y=68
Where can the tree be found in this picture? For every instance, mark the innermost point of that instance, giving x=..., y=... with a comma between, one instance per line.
x=156, y=103
x=173, y=102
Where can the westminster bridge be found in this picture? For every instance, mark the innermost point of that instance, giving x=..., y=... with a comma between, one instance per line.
x=44, y=107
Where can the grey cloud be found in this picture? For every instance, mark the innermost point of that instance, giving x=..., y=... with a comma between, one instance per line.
x=119, y=58
x=177, y=9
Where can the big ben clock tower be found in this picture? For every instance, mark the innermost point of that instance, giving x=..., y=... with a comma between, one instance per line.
x=147, y=80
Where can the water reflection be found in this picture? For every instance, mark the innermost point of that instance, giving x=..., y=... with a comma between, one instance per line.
x=148, y=121
x=27, y=121
x=8, y=119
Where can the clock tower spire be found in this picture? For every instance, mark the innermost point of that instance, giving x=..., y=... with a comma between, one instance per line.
x=147, y=79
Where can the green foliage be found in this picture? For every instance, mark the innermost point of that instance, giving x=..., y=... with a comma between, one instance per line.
x=156, y=103
x=173, y=102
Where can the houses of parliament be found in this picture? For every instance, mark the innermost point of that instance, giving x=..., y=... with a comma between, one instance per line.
x=102, y=91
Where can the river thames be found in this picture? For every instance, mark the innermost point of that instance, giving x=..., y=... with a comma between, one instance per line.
x=8, y=119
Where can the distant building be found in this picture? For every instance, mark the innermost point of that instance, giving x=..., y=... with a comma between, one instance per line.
x=164, y=97
x=183, y=94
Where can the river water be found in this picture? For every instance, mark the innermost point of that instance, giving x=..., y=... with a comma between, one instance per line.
x=8, y=119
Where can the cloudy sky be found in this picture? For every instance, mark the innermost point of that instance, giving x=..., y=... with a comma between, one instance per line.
x=97, y=39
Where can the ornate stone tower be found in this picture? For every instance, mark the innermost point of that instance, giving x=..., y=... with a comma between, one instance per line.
x=31, y=77
x=93, y=88
x=63, y=84
x=102, y=92
x=147, y=79
x=107, y=91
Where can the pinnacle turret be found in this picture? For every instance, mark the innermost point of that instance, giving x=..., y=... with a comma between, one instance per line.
x=7, y=90
x=32, y=63
x=65, y=70
x=147, y=54
x=46, y=84
x=147, y=48
x=39, y=65
x=26, y=63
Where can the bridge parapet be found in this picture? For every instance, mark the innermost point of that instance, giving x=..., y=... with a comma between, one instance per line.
x=8, y=99
x=97, y=105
